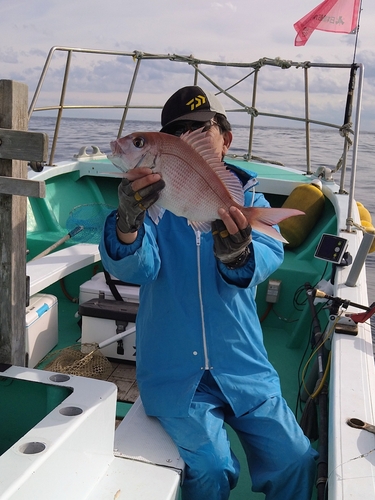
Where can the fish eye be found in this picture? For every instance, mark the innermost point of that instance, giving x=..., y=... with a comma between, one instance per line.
x=139, y=142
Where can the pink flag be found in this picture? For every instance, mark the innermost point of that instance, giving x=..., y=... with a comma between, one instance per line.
x=338, y=16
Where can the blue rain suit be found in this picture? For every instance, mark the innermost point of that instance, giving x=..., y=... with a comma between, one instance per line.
x=201, y=359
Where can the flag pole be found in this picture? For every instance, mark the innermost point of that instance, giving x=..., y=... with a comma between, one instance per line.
x=357, y=32
x=346, y=128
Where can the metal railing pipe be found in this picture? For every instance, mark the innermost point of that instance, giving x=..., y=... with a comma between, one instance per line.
x=130, y=95
x=61, y=107
x=307, y=122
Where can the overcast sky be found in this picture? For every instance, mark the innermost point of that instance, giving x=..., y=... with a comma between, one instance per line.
x=238, y=30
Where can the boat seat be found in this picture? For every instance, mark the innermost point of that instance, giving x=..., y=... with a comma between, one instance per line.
x=52, y=267
x=142, y=438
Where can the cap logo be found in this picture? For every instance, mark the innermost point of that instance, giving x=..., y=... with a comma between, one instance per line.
x=196, y=102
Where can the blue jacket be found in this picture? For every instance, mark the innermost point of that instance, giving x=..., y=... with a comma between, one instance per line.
x=194, y=313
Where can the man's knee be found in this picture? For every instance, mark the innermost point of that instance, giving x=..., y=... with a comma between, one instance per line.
x=210, y=475
x=209, y=478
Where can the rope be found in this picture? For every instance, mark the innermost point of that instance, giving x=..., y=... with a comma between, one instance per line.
x=277, y=61
x=345, y=130
x=283, y=63
x=304, y=65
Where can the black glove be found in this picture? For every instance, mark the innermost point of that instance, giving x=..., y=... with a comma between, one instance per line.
x=133, y=204
x=231, y=249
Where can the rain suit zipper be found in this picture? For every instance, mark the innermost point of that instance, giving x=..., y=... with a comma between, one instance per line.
x=205, y=351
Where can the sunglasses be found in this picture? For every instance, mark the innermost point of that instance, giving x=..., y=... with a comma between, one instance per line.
x=189, y=126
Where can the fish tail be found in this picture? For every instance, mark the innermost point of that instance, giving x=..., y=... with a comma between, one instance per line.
x=262, y=219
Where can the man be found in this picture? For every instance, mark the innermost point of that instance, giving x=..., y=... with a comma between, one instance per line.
x=200, y=354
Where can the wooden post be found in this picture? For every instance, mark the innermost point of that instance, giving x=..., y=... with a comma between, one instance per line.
x=13, y=203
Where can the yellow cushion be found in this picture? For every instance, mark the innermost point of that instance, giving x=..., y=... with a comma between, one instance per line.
x=310, y=199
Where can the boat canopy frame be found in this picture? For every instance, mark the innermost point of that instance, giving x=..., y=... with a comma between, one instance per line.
x=345, y=130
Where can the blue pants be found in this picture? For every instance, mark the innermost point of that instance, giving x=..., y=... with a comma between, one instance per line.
x=280, y=459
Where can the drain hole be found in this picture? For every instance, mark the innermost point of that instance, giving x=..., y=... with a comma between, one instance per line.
x=59, y=378
x=71, y=411
x=32, y=448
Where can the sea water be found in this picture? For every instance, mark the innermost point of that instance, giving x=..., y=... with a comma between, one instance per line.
x=285, y=145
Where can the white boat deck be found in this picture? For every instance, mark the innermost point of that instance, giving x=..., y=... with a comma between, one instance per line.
x=52, y=267
x=73, y=452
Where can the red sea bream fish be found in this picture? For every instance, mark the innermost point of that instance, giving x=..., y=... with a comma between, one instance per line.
x=197, y=183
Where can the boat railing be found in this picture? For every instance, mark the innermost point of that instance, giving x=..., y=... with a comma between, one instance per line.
x=248, y=105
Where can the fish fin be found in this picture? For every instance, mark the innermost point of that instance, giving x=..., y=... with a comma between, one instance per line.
x=263, y=218
x=156, y=213
x=203, y=227
x=202, y=144
x=270, y=231
x=270, y=216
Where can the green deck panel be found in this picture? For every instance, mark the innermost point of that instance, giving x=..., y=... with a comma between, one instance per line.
x=243, y=489
x=66, y=192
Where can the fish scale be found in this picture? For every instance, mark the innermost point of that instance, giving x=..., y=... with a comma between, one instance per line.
x=188, y=193
x=197, y=182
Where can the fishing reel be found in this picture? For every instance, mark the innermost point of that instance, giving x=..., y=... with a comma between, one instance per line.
x=348, y=322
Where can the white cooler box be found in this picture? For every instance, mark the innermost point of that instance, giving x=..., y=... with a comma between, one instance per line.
x=102, y=319
x=97, y=287
x=101, y=325
x=41, y=327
